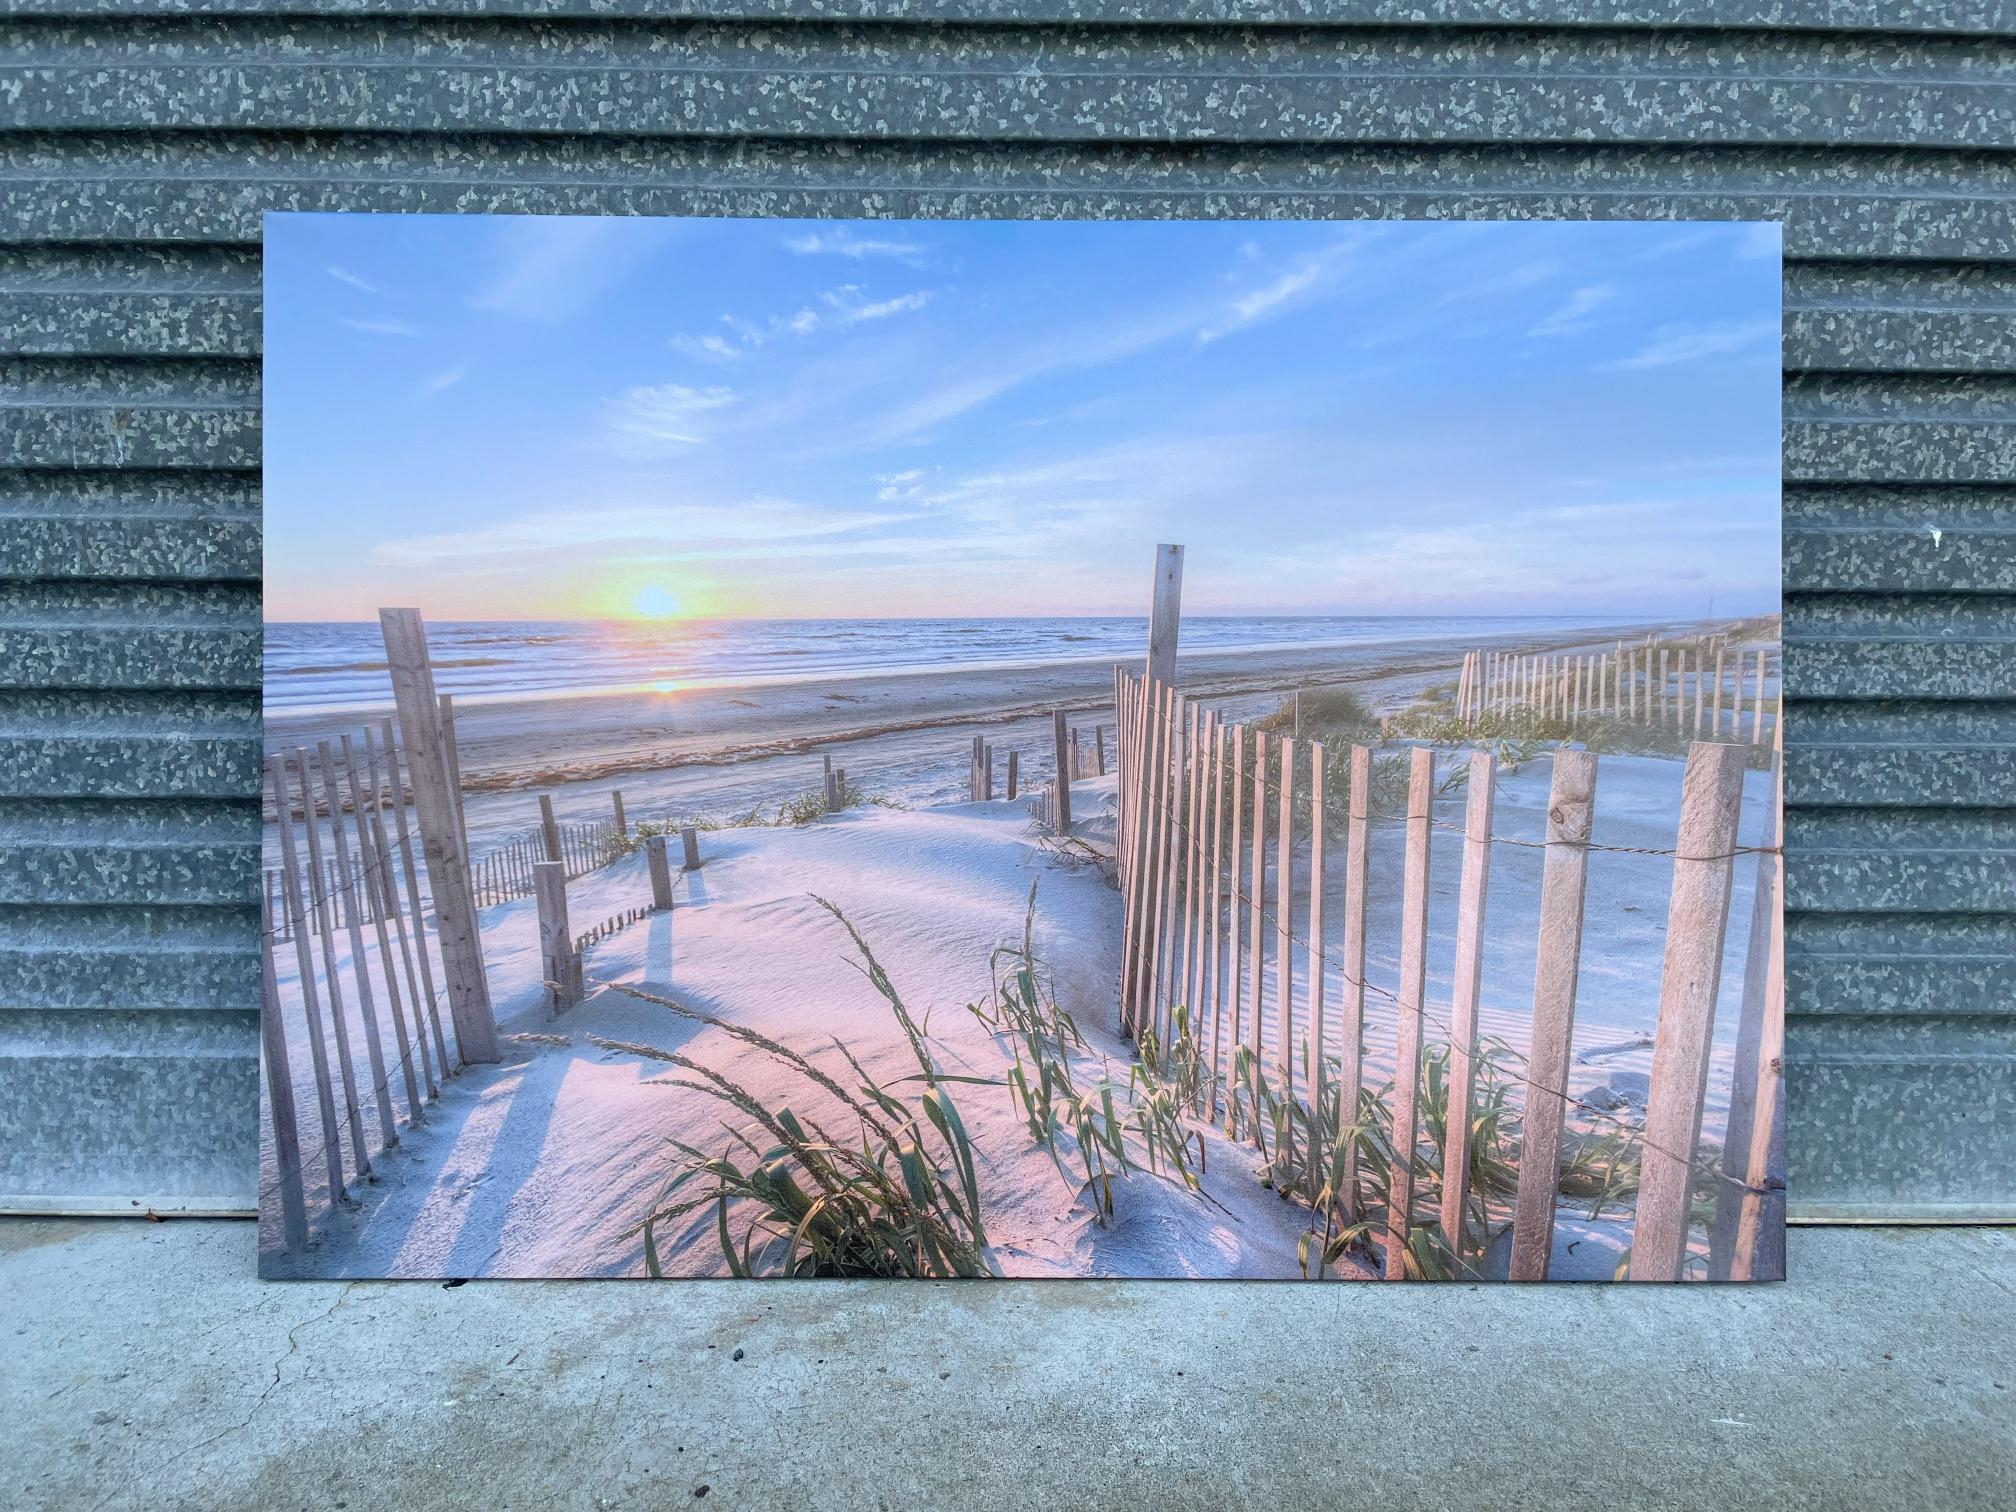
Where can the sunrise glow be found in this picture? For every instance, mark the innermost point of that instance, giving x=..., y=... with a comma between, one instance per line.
x=655, y=602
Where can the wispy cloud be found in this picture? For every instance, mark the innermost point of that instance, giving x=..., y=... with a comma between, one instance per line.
x=1671, y=344
x=344, y=275
x=718, y=348
x=447, y=378
x=546, y=267
x=1573, y=313
x=1277, y=293
x=379, y=327
x=689, y=530
x=665, y=416
x=837, y=309
x=845, y=243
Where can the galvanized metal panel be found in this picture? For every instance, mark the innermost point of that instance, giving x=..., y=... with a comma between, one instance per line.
x=138, y=161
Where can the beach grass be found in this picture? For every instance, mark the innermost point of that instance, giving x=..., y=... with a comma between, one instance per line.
x=897, y=1195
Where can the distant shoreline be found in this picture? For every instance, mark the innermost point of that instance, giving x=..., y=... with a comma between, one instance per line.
x=718, y=750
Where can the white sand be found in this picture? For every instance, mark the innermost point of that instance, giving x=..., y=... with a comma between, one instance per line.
x=543, y=1165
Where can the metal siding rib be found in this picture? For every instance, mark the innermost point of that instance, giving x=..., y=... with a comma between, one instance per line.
x=142, y=155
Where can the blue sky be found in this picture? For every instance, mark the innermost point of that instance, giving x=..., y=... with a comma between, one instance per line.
x=541, y=418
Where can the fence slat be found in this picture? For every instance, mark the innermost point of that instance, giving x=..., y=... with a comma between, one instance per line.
x=394, y=910
x=360, y=965
x=1234, y=958
x=1711, y=796
x=1258, y=947
x=304, y=965
x=1284, y=938
x=280, y=1099
x=1754, y=1079
x=1187, y=895
x=1410, y=1008
x=1571, y=802
x=1216, y=991
x=1464, y=989
x=1351, y=992
x=425, y=991
x=1315, y=966
x=322, y=905
x=370, y=878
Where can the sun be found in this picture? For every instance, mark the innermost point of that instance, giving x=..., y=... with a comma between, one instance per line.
x=655, y=602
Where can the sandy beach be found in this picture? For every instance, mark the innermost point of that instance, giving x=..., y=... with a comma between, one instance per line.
x=544, y=1164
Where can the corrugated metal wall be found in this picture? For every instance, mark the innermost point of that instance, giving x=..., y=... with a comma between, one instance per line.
x=142, y=146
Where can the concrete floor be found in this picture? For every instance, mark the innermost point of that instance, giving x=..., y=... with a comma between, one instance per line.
x=143, y=1366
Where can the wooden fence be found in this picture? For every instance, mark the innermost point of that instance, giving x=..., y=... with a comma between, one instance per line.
x=1707, y=688
x=505, y=872
x=349, y=861
x=1082, y=752
x=1230, y=899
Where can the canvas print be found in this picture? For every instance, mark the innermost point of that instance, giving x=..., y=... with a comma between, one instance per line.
x=978, y=749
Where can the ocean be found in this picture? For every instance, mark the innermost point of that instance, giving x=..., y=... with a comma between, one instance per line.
x=320, y=667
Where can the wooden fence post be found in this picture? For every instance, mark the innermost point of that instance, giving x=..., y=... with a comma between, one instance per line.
x=549, y=829
x=1284, y=938
x=1193, y=835
x=411, y=870
x=689, y=844
x=1351, y=970
x=460, y=940
x=1571, y=804
x=616, y=809
x=1099, y=748
x=559, y=962
x=1757, y=718
x=1215, y=990
x=1313, y=1043
x=389, y=909
x=1410, y=1009
x=1061, y=821
x=660, y=867
x=1232, y=952
x=280, y=1096
x=1013, y=758
x=1165, y=616
x=1256, y=919
x=1711, y=797
x=304, y=964
x=373, y=869
x=1147, y=813
x=322, y=905
x=1165, y=895
x=1741, y=1200
x=451, y=751
x=347, y=883
x=1464, y=990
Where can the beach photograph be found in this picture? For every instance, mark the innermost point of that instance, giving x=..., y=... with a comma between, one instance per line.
x=1003, y=749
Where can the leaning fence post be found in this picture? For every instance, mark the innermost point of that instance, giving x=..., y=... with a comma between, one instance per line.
x=452, y=752
x=1411, y=1006
x=280, y=1095
x=1711, y=798
x=616, y=806
x=1571, y=803
x=559, y=965
x=1061, y=819
x=661, y=872
x=1099, y=747
x=1463, y=994
x=460, y=939
x=549, y=828
x=689, y=842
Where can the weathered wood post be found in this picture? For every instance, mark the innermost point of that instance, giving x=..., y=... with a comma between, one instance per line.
x=453, y=752
x=661, y=872
x=1166, y=615
x=1060, y=819
x=321, y=903
x=280, y=1094
x=616, y=809
x=460, y=941
x=987, y=771
x=1571, y=805
x=396, y=780
x=1711, y=797
x=689, y=841
x=360, y=970
x=549, y=829
x=1412, y=1005
x=1463, y=994
x=559, y=965
x=1013, y=773
x=1099, y=747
